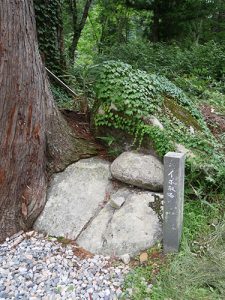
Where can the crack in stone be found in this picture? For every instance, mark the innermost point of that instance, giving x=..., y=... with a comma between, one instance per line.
x=108, y=191
x=104, y=239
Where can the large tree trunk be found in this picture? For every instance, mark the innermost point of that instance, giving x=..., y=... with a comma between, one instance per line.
x=33, y=135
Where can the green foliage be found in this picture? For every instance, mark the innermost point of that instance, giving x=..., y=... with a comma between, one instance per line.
x=195, y=66
x=205, y=175
x=63, y=100
x=131, y=92
x=136, y=284
x=214, y=29
x=107, y=139
x=81, y=78
x=89, y=42
x=203, y=91
x=198, y=221
x=197, y=272
x=204, y=61
x=128, y=95
x=49, y=27
x=128, y=89
x=115, y=20
x=182, y=19
x=205, y=170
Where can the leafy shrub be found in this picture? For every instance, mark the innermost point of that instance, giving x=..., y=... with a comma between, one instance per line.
x=127, y=95
x=204, y=61
x=62, y=98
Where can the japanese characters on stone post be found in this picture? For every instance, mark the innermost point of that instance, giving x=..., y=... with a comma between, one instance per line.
x=174, y=164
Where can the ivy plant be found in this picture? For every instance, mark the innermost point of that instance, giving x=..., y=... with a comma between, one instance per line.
x=127, y=96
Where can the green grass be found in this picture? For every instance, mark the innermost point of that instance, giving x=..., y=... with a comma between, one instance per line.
x=190, y=275
x=199, y=219
x=196, y=272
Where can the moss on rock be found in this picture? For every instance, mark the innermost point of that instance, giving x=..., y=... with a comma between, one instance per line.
x=181, y=113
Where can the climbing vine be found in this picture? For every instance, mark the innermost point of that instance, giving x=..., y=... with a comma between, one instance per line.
x=127, y=96
x=49, y=29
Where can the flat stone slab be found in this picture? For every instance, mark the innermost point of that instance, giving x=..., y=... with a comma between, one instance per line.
x=130, y=229
x=79, y=207
x=140, y=170
x=75, y=196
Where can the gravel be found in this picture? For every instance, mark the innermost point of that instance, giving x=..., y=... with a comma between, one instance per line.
x=33, y=267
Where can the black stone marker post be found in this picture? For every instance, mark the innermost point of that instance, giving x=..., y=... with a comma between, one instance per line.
x=174, y=164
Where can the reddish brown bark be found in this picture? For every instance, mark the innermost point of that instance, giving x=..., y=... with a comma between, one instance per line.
x=31, y=128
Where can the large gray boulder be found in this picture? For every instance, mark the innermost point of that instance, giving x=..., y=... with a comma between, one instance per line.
x=140, y=170
x=74, y=197
x=132, y=228
x=81, y=205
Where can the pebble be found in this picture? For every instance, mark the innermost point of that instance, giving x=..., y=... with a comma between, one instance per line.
x=125, y=258
x=42, y=269
x=143, y=258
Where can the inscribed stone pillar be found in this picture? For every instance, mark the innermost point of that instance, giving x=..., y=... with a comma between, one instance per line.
x=174, y=164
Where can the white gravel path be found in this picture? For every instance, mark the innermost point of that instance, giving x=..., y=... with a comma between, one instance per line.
x=32, y=267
